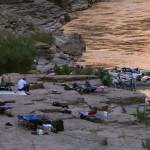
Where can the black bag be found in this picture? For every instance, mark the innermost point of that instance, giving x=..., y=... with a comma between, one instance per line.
x=58, y=104
x=64, y=105
x=58, y=124
x=67, y=87
x=75, y=85
x=66, y=111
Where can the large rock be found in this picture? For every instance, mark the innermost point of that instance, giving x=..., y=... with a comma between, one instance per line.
x=14, y=1
x=72, y=44
x=80, y=5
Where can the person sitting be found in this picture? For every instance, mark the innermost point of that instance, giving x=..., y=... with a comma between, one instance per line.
x=81, y=87
x=115, y=82
x=87, y=82
x=6, y=81
x=23, y=86
x=120, y=82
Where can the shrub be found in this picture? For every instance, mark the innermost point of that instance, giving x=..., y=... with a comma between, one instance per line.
x=99, y=72
x=104, y=142
x=62, y=70
x=57, y=70
x=146, y=144
x=43, y=37
x=66, y=69
x=88, y=71
x=143, y=116
x=58, y=2
x=78, y=71
x=17, y=53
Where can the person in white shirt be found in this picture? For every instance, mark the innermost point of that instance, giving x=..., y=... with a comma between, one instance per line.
x=23, y=86
x=115, y=82
x=135, y=77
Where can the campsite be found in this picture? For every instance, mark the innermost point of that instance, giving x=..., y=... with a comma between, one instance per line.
x=77, y=131
x=73, y=75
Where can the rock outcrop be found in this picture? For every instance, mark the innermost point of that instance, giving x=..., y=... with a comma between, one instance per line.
x=66, y=50
x=71, y=44
x=49, y=16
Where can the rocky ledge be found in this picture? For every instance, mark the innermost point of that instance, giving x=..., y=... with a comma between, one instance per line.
x=119, y=130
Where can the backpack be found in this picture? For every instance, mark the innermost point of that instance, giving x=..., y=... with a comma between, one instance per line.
x=58, y=124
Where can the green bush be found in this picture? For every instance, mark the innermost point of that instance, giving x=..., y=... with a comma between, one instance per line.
x=57, y=69
x=104, y=142
x=58, y=2
x=62, y=70
x=66, y=69
x=43, y=37
x=17, y=53
x=88, y=71
x=78, y=71
x=146, y=144
x=99, y=72
x=142, y=116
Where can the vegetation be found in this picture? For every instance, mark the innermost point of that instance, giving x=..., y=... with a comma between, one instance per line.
x=58, y=2
x=88, y=70
x=104, y=142
x=2, y=17
x=17, y=53
x=100, y=72
x=143, y=116
x=66, y=70
x=146, y=144
x=78, y=71
x=62, y=70
x=43, y=37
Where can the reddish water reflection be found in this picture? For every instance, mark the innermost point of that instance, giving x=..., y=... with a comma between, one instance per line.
x=116, y=33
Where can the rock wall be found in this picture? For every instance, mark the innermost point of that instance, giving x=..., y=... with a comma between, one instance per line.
x=26, y=16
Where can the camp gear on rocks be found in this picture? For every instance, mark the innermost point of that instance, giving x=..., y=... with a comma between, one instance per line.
x=58, y=104
x=67, y=87
x=58, y=124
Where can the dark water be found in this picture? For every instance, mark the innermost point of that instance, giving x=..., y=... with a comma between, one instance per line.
x=116, y=34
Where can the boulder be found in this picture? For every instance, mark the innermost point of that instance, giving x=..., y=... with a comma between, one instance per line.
x=80, y=5
x=44, y=68
x=72, y=44
x=14, y=1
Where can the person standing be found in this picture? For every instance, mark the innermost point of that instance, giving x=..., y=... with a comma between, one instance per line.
x=23, y=86
x=134, y=78
x=106, y=78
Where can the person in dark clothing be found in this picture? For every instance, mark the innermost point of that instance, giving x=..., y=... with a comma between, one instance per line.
x=87, y=82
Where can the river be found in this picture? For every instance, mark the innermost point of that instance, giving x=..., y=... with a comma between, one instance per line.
x=116, y=34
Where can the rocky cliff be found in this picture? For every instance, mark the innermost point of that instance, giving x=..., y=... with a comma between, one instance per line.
x=23, y=15
x=26, y=16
